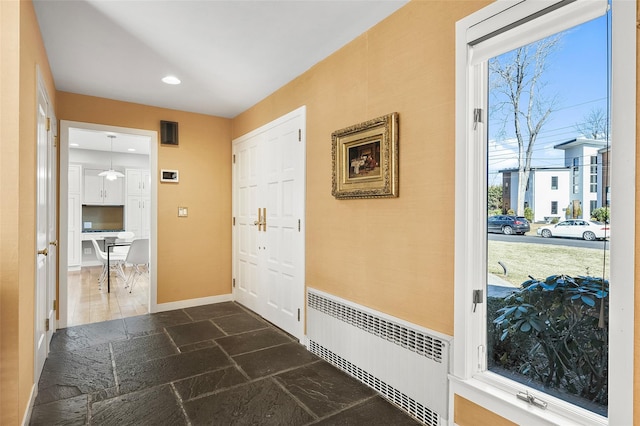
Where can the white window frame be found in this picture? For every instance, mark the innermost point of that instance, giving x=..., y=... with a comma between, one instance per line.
x=470, y=378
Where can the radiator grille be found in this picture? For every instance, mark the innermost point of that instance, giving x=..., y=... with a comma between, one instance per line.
x=417, y=342
x=415, y=409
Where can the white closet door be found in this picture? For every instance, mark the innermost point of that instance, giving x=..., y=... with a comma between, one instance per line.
x=269, y=181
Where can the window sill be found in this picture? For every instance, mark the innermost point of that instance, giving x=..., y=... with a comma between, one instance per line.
x=497, y=395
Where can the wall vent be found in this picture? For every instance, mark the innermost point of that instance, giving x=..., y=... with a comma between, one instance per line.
x=405, y=364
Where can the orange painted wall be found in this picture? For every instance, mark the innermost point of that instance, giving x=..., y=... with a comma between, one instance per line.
x=636, y=349
x=394, y=255
x=22, y=50
x=466, y=413
x=194, y=253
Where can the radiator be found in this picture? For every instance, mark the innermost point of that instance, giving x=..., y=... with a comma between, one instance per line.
x=405, y=363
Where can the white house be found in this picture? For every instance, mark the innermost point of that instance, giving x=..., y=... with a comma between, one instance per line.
x=580, y=184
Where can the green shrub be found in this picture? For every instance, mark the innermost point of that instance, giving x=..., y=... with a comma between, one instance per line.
x=511, y=212
x=554, y=332
x=601, y=214
x=528, y=214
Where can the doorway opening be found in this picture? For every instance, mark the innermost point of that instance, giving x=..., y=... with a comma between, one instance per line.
x=98, y=210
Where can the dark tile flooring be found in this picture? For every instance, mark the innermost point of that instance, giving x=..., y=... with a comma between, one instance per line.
x=208, y=365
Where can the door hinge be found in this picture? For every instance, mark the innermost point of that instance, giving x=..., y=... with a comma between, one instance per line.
x=477, y=117
x=298, y=314
x=55, y=141
x=234, y=221
x=46, y=324
x=234, y=159
x=298, y=225
x=477, y=298
x=299, y=135
x=48, y=124
x=234, y=283
x=55, y=305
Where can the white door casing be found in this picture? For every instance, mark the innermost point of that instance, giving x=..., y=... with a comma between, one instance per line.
x=269, y=199
x=151, y=224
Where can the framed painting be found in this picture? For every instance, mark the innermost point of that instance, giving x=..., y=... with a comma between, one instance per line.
x=365, y=159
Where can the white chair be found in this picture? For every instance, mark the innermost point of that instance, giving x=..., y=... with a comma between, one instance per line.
x=123, y=237
x=116, y=261
x=138, y=257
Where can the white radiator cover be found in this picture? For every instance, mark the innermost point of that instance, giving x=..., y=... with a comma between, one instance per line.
x=405, y=363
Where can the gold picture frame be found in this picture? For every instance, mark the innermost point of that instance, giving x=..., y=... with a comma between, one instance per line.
x=365, y=159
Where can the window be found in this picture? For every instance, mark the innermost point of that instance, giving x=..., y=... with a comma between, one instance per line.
x=481, y=37
x=554, y=182
x=575, y=175
x=593, y=204
x=554, y=207
x=593, y=171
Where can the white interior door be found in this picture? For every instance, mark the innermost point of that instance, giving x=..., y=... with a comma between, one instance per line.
x=283, y=246
x=245, y=194
x=42, y=241
x=269, y=199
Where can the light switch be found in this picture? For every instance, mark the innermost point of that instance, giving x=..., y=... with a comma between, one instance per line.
x=183, y=212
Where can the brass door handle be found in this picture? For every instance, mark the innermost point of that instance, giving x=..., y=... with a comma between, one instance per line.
x=44, y=251
x=54, y=243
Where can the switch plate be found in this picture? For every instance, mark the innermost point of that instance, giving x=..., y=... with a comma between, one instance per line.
x=183, y=212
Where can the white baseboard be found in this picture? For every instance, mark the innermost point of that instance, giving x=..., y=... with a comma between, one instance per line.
x=32, y=398
x=189, y=303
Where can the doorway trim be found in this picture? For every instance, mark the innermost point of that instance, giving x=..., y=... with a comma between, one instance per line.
x=65, y=125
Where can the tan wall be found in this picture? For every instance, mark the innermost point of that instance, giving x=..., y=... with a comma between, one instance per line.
x=194, y=253
x=394, y=255
x=636, y=349
x=22, y=50
x=466, y=413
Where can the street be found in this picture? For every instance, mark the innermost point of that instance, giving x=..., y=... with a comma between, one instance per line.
x=536, y=239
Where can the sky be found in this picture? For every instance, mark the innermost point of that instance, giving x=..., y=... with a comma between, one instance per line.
x=577, y=74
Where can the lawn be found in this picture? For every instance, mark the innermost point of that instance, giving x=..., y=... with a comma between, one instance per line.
x=542, y=260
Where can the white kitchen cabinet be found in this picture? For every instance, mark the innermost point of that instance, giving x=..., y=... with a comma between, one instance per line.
x=98, y=190
x=138, y=182
x=74, y=234
x=138, y=216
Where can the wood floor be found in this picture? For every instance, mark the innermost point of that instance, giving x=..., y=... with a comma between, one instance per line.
x=87, y=303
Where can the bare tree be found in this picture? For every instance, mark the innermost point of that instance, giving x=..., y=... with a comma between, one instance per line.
x=593, y=125
x=517, y=83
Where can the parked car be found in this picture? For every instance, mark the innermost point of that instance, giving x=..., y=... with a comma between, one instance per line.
x=576, y=228
x=507, y=224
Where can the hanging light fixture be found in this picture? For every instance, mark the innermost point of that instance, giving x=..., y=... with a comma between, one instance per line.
x=111, y=174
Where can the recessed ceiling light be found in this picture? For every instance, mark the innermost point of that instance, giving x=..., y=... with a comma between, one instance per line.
x=131, y=149
x=73, y=144
x=171, y=80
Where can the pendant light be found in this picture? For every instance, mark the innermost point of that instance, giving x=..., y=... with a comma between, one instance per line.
x=111, y=174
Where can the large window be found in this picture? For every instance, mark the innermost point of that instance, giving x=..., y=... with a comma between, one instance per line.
x=541, y=339
x=538, y=332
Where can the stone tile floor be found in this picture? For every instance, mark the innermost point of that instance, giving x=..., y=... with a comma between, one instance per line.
x=216, y=364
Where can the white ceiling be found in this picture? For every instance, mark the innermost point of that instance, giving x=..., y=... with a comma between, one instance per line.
x=229, y=54
x=97, y=140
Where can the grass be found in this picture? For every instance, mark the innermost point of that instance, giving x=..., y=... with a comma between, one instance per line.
x=542, y=260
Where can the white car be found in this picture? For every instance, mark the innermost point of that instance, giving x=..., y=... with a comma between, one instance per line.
x=576, y=228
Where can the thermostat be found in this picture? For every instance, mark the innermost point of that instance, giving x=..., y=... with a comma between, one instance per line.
x=169, y=176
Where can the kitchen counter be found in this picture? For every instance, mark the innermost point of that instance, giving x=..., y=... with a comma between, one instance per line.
x=99, y=235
